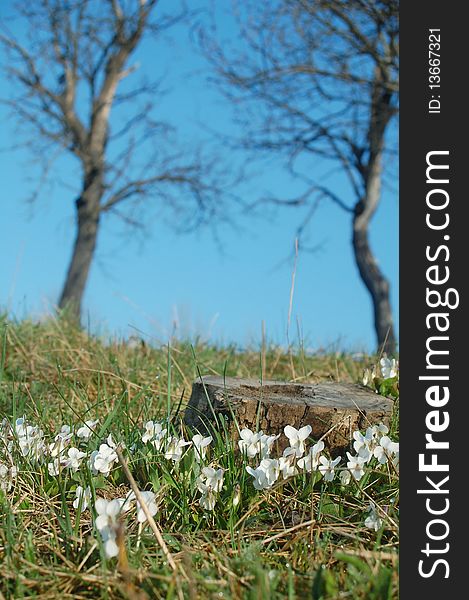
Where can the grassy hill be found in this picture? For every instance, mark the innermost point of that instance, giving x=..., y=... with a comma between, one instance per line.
x=303, y=536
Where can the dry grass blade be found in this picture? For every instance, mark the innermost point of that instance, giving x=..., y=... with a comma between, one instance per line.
x=141, y=501
x=287, y=531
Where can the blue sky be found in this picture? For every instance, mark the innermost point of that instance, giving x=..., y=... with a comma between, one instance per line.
x=170, y=283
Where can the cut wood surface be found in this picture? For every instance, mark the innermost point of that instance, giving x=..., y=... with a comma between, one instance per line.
x=333, y=410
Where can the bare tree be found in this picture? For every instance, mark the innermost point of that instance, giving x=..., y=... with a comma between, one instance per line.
x=69, y=72
x=319, y=79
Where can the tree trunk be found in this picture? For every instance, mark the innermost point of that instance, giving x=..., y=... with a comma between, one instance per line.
x=85, y=243
x=378, y=287
x=374, y=280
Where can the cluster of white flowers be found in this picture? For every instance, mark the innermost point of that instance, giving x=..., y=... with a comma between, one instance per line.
x=60, y=453
x=373, y=444
x=108, y=513
x=30, y=439
x=173, y=447
x=256, y=443
x=210, y=480
x=69, y=450
x=295, y=456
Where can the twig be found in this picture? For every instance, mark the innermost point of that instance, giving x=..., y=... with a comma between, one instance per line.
x=287, y=531
x=144, y=507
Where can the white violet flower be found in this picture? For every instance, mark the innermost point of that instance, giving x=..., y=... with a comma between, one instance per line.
x=355, y=465
x=150, y=500
x=297, y=438
x=83, y=496
x=87, y=430
x=287, y=464
x=266, y=443
x=345, y=477
x=174, y=449
x=250, y=442
x=373, y=520
x=388, y=367
x=201, y=444
x=327, y=467
x=75, y=457
x=154, y=433
x=210, y=483
x=266, y=474
x=102, y=460
x=310, y=462
x=386, y=449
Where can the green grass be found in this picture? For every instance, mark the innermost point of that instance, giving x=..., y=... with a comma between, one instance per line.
x=304, y=538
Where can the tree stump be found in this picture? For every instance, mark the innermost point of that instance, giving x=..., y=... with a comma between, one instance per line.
x=332, y=409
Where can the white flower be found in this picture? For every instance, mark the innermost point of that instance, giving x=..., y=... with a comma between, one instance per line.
x=86, y=431
x=266, y=474
x=345, y=477
x=111, y=443
x=101, y=460
x=174, y=448
x=65, y=433
x=54, y=467
x=373, y=520
x=386, y=449
x=310, y=462
x=30, y=439
x=209, y=483
x=260, y=477
x=149, y=499
x=236, y=495
x=364, y=444
x=213, y=478
x=362, y=441
x=6, y=477
x=106, y=522
x=286, y=463
x=108, y=512
x=154, y=433
x=75, y=457
x=367, y=377
x=250, y=443
x=266, y=442
x=271, y=467
x=83, y=495
x=60, y=442
x=20, y=426
x=110, y=547
x=297, y=438
x=355, y=465
x=327, y=467
x=208, y=498
x=201, y=444
x=388, y=367
x=379, y=430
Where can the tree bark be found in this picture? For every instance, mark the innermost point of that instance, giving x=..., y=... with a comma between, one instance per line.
x=378, y=287
x=88, y=213
x=371, y=275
